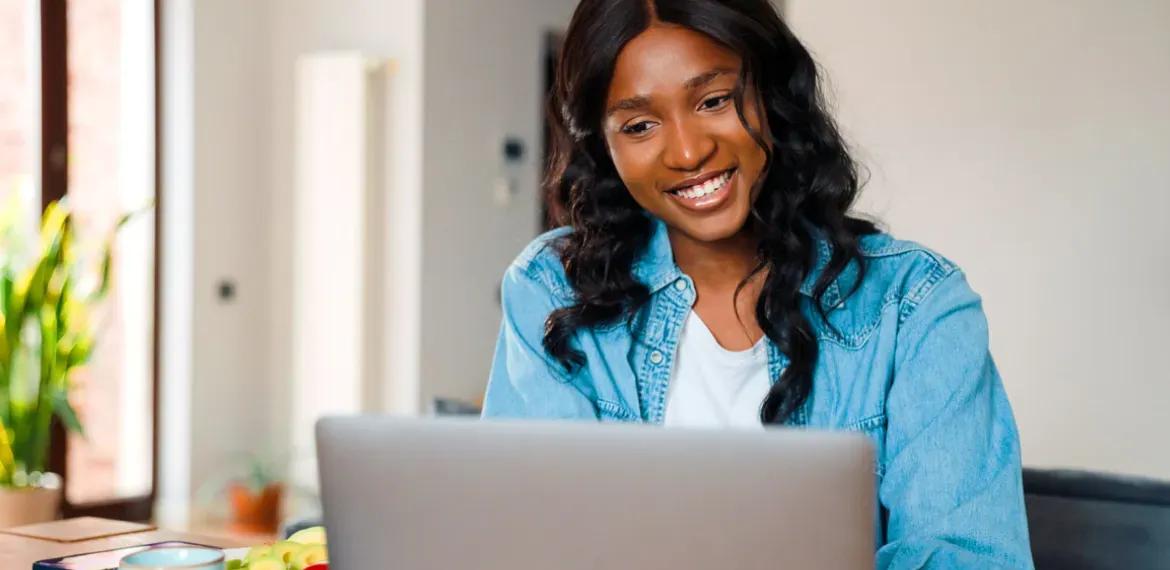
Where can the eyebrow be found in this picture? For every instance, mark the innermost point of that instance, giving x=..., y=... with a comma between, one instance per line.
x=703, y=79
x=629, y=104
x=640, y=102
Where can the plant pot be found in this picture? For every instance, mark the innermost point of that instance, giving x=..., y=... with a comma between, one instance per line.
x=255, y=513
x=28, y=505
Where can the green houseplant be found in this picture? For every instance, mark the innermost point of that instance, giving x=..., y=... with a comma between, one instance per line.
x=45, y=334
x=256, y=498
x=249, y=493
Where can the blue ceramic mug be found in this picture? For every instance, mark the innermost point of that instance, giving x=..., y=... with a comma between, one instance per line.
x=174, y=558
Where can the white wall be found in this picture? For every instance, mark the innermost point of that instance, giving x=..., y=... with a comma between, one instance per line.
x=176, y=211
x=478, y=67
x=378, y=28
x=484, y=80
x=230, y=372
x=1030, y=142
x=230, y=177
x=214, y=381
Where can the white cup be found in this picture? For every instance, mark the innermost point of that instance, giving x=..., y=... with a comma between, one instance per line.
x=174, y=558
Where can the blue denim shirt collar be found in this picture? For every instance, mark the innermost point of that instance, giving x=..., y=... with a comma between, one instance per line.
x=656, y=267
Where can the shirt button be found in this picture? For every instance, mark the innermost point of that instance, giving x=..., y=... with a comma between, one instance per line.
x=656, y=357
x=681, y=284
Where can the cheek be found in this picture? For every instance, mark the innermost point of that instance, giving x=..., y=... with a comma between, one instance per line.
x=738, y=141
x=755, y=118
x=751, y=154
x=635, y=166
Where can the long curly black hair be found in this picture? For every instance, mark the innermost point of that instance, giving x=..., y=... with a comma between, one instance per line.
x=807, y=187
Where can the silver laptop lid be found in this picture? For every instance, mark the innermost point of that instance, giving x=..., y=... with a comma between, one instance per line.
x=446, y=494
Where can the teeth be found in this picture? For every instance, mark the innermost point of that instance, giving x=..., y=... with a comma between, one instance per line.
x=700, y=190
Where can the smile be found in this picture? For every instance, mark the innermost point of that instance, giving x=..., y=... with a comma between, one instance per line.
x=706, y=195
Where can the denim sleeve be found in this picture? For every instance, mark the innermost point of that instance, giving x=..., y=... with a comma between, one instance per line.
x=524, y=381
x=952, y=484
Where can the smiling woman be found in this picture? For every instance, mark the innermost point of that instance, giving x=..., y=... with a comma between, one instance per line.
x=711, y=275
x=674, y=134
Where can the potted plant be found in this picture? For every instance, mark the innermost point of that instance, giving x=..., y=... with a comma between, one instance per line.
x=45, y=335
x=248, y=495
x=256, y=499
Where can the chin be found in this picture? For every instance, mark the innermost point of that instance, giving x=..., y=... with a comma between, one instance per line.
x=712, y=228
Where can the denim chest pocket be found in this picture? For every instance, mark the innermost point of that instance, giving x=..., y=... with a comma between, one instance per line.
x=873, y=427
x=852, y=326
x=611, y=412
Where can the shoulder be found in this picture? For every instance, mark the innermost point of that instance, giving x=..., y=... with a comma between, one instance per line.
x=539, y=264
x=911, y=267
x=903, y=272
x=900, y=278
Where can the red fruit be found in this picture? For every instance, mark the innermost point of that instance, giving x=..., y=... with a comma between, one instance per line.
x=318, y=566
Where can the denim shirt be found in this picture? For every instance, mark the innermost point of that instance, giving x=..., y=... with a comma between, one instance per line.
x=905, y=362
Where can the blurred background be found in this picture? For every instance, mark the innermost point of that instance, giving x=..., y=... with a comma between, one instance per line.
x=338, y=185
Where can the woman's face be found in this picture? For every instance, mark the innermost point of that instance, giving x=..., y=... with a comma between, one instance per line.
x=674, y=136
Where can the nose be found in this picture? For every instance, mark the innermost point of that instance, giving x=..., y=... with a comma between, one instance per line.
x=688, y=147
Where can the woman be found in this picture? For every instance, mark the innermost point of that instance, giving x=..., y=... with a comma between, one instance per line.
x=712, y=276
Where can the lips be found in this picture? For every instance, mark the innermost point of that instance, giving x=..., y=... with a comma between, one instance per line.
x=704, y=193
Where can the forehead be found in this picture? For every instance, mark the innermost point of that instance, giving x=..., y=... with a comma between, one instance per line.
x=663, y=57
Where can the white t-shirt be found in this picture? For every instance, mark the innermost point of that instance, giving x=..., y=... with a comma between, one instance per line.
x=711, y=386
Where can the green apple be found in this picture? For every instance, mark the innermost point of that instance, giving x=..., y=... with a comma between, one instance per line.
x=308, y=555
x=258, y=552
x=234, y=565
x=285, y=549
x=311, y=535
x=267, y=563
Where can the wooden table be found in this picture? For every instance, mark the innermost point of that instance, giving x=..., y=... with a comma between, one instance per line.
x=20, y=552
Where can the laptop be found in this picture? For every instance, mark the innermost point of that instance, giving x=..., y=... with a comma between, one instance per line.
x=414, y=494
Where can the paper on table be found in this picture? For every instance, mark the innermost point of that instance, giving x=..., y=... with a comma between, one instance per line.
x=78, y=529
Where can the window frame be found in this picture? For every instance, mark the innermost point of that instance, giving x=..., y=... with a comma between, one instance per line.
x=55, y=186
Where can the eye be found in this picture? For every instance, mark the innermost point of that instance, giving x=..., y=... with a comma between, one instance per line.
x=714, y=103
x=638, y=128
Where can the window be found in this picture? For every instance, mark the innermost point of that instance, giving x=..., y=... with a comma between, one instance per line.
x=110, y=60
x=78, y=120
x=19, y=100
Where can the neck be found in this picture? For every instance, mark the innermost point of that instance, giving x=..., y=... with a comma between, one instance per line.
x=715, y=264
